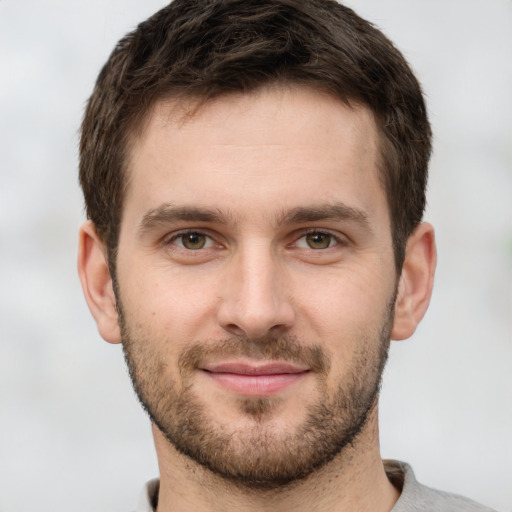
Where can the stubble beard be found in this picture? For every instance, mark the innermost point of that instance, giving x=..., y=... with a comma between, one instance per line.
x=259, y=457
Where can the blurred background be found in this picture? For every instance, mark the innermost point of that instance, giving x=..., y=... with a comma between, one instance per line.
x=72, y=435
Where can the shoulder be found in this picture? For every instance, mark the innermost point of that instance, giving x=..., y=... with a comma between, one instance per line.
x=416, y=497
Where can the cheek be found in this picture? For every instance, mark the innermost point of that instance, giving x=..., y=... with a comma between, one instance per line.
x=347, y=315
x=168, y=303
x=346, y=299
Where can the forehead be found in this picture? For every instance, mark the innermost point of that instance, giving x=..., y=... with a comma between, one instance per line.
x=270, y=150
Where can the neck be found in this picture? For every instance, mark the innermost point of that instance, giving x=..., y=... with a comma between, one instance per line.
x=355, y=480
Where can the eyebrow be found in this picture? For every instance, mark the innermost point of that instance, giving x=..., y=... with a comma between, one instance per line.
x=336, y=212
x=168, y=214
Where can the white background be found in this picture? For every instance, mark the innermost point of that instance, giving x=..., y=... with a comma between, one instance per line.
x=72, y=436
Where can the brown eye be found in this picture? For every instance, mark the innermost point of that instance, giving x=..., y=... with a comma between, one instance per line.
x=193, y=241
x=319, y=240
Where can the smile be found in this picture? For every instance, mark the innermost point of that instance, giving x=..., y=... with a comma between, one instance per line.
x=255, y=380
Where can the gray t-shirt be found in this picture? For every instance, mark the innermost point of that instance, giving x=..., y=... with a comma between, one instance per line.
x=414, y=497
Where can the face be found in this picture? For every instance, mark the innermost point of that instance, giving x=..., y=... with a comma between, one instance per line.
x=255, y=280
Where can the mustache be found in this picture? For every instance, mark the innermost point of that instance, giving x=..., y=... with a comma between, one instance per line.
x=283, y=348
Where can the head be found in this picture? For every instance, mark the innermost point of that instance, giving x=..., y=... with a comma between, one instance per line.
x=254, y=175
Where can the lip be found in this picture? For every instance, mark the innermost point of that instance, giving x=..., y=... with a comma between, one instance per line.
x=255, y=379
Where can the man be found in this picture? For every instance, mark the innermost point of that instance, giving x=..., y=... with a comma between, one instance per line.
x=254, y=176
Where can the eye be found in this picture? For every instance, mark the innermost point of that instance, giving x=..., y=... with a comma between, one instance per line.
x=193, y=241
x=317, y=240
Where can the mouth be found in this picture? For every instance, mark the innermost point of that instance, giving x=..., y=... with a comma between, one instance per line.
x=250, y=379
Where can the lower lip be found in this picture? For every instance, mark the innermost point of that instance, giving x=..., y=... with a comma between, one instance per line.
x=256, y=385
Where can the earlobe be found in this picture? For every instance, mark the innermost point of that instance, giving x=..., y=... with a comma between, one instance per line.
x=416, y=282
x=97, y=283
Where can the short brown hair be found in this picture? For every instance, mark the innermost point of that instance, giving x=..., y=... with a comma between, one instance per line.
x=206, y=48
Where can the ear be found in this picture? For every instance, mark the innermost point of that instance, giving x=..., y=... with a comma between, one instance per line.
x=416, y=281
x=97, y=283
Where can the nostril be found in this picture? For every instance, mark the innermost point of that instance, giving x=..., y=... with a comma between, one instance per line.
x=234, y=329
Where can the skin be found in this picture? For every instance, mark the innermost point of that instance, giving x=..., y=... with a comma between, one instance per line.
x=256, y=160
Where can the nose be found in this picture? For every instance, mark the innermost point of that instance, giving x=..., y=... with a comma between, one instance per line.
x=255, y=299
